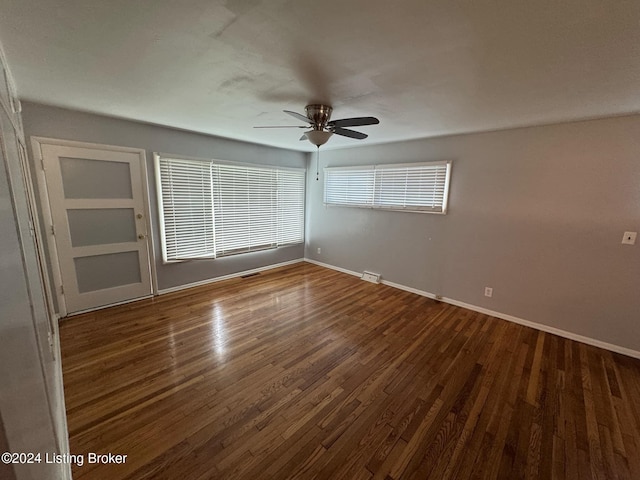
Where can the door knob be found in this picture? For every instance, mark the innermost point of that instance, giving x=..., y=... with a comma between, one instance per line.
x=141, y=236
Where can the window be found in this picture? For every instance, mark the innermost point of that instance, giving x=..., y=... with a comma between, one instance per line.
x=210, y=209
x=410, y=187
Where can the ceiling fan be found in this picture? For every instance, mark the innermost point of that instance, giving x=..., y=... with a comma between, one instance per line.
x=322, y=127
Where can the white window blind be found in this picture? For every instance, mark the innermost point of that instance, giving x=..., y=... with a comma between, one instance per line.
x=185, y=203
x=245, y=209
x=352, y=186
x=291, y=184
x=240, y=208
x=413, y=187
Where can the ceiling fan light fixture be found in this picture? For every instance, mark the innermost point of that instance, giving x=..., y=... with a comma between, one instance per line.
x=318, y=137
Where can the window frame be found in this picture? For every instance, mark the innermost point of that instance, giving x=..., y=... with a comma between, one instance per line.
x=158, y=156
x=374, y=188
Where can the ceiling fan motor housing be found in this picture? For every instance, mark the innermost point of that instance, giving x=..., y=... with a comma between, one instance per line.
x=322, y=127
x=319, y=115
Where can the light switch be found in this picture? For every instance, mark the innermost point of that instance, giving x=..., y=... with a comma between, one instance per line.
x=629, y=238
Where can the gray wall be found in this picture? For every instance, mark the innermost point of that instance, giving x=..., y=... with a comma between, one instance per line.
x=46, y=121
x=536, y=213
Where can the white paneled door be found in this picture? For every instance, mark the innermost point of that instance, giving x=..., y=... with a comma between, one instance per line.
x=98, y=213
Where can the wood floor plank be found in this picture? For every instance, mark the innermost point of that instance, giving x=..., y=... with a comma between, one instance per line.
x=304, y=372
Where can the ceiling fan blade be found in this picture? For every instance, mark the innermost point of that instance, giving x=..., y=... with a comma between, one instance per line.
x=303, y=137
x=298, y=116
x=284, y=126
x=349, y=133
x=354, y=122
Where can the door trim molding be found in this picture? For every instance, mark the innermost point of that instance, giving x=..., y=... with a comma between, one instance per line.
x=36, y=143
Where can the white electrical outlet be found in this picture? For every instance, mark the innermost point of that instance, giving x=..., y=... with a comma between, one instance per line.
x=629, y=238
x=488, y=291
x=319, y=250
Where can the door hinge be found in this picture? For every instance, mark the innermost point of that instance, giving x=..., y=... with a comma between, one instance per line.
x=16, y=105
x=42, y=163
x=53, y=230
x=61, y=289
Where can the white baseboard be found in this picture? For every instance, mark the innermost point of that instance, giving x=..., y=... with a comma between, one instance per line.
x=102, y=307
x=510, y=318
x=414, y=290
x=332, y=267
x=548, y=329
x=227, y=277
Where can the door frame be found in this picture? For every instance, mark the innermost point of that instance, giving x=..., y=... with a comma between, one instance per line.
x=36, y=144
x=38, y=236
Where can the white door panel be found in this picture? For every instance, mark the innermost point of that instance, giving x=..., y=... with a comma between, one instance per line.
x=98, y=210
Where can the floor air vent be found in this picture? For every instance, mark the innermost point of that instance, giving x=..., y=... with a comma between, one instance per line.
x=371, y=277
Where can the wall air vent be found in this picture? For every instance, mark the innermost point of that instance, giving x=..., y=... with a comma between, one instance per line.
x=371, y=277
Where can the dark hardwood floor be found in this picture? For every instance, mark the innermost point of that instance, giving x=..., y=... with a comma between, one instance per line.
x=304, y=372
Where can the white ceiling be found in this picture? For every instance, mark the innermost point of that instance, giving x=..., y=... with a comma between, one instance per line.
x=424, y=68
